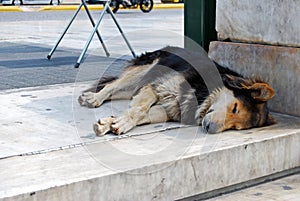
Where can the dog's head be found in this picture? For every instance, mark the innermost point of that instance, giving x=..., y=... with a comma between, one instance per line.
x=241, y=104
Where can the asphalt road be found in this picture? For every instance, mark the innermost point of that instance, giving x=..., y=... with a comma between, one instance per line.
x=27, y=37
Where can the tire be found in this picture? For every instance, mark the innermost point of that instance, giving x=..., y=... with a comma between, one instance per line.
x=146, y=5
x=55, y=2
x=19, y=2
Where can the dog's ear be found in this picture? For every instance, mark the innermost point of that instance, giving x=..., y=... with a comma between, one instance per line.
x=235, y=82
x=259, y=91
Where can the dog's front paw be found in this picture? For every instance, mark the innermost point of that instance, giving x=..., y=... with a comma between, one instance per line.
x=90, y=99
x=122, y=124
x=103, y=126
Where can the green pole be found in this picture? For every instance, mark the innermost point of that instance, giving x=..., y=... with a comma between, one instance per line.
x=199, y=22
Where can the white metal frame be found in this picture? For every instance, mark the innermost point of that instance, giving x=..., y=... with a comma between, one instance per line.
x=95, y=30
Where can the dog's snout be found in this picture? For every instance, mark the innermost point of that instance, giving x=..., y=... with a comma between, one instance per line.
x=209, y=127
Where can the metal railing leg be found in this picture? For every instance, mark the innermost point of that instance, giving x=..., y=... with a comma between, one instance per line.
x=91, y=35
x=93, y=23
x=121, y=31
x=64, y=32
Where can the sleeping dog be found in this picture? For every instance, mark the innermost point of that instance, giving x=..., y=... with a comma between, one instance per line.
x=171, y=84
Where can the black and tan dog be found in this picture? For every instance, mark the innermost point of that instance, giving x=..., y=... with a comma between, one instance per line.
x=170, y=85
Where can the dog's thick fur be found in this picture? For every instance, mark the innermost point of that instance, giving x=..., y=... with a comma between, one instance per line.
x=166, y=85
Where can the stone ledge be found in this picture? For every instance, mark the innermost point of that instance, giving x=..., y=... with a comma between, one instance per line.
x=287, y=188
x=147, y=164
x=124, y=170
x=280, y=66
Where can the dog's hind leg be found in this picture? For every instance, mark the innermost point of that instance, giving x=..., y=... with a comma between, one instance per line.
x=137, y=114
x=103, y=126
x=119, y=125
x=142, y=111
x=125, y=122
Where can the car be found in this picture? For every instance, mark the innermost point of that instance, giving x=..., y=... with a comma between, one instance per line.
x=24, y=2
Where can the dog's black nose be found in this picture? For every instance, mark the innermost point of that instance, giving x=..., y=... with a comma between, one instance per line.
x=207, y=127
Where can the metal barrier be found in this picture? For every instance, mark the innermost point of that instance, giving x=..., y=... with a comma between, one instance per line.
x=95, y=30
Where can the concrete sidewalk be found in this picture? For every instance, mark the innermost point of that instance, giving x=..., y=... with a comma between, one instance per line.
x=27, y=38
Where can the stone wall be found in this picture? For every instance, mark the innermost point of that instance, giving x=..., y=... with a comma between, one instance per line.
x=265, y=43
x=273, y=22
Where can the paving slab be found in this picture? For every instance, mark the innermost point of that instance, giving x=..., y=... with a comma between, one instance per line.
x=285, y=189
x=49, y=152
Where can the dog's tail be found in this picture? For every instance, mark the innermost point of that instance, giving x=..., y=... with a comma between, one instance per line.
x=97, y=86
